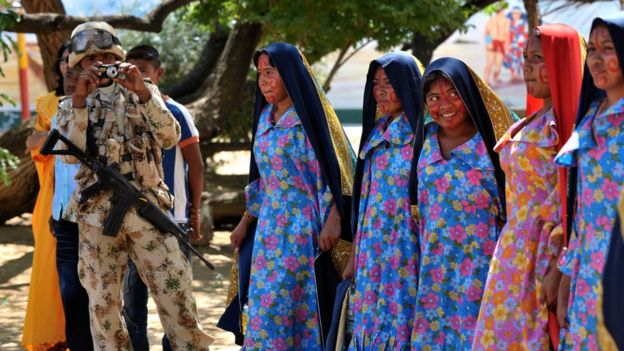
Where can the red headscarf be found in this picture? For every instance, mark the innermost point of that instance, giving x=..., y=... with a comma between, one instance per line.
x=564, y=53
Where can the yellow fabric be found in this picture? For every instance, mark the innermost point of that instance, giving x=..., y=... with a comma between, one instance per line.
x=44, y=325
x=339, y=139
x=604, y=337
x=500, y=115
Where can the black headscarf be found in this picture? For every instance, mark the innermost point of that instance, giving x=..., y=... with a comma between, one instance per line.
x=405, y=76
x=491, y=117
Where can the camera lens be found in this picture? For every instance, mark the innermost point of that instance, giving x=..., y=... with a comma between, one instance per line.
x=111, y=71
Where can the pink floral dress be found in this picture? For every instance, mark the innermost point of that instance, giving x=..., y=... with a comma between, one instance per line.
x=510, y=316
x=459, y=205
x=291, y=200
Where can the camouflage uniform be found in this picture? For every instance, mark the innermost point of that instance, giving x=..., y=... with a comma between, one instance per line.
x=123, y=131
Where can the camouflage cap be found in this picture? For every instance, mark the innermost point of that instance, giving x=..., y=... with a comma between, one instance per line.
x=92, y=38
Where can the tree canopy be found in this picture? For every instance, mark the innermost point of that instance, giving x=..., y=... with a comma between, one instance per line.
x=322, y=26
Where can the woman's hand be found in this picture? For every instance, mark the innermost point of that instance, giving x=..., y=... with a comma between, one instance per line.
x=240, y=232
x=35, y=140
x=550, y=288
x=562, y=301
x=349, y=269
x=330, y=234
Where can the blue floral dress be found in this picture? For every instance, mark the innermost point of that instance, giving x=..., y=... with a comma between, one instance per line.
x=459, y=204
x=597, y=148
x=291, y=200
x=386, y=257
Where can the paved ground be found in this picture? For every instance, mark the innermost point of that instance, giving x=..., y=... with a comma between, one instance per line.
x=16, y=251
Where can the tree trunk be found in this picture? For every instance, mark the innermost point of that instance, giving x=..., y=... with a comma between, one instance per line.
x=19, y=196
x=50, y=42
x=422, y=47
x=532, y=12
x=197, y=80
x=223, y=97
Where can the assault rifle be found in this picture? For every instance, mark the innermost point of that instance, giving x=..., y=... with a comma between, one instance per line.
x=124, y=194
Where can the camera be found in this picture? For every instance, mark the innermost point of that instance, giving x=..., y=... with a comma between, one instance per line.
x=109, y=71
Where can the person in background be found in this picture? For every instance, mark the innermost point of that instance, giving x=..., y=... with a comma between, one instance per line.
x=184, y=175
x=518, y=32
x=44, y=325
x=523, y=280
x=460, y=202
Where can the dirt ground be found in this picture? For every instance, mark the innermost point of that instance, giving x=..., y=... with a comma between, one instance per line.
x=210, y=289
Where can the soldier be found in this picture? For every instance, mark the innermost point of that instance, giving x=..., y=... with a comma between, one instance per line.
x=124, y=121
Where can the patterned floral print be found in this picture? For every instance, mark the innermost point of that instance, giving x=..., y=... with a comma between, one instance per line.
x=458, y=204
x=596, y=146
x=291, y=201
x=103, y=261
x=510, y=316
x=386, y=259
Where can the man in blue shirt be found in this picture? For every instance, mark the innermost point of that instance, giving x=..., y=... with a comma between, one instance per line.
x=183, y=168
x=65, y=229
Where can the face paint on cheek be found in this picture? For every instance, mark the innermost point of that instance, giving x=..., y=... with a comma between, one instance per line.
x=272, y=83
x=613, y=65
x=543, y=75
x=383, y=108
x=394, y=97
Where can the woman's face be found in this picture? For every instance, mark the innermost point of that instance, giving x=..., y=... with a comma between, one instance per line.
x=602, y=60
x=270, y=82
x=63, y=63
x=535, y=73
x=385, y=96
x=446, y=106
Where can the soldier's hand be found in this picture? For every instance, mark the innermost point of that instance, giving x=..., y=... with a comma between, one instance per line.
x=86, y=84
x=132, y=80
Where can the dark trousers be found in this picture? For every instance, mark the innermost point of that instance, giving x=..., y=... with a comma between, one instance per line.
x=135, y=297
x=74, y=296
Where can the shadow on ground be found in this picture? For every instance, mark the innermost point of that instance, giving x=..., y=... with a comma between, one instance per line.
x=209, y=287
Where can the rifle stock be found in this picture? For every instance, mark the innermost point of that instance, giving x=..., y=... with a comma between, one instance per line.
x=126, y=194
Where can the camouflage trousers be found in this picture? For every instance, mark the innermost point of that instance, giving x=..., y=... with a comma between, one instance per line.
x=161, y=265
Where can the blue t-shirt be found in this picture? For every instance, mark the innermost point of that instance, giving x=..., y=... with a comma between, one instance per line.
x=174, y=166
x=64, y=184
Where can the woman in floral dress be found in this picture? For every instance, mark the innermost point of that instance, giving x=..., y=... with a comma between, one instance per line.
x=301, y=171
x=596, y=149
x=522, y=283
x=460, y=203
x=386, y=236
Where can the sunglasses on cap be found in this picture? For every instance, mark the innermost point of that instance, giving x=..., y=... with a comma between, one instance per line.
x=100, y=38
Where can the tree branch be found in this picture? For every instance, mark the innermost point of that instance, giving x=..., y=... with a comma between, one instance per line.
x=49, y=22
